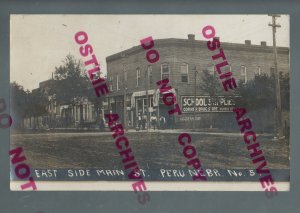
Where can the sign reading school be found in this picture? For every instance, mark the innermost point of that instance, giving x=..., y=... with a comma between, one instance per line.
x=208, y=103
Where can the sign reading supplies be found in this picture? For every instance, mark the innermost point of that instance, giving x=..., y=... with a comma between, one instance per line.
x=208, y=103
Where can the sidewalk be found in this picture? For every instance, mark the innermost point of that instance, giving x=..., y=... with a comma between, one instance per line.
x=216, y=132
x=199, y=131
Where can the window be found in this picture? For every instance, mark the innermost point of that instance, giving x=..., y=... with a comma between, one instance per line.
x=111, y=88
x=244, y=74
x=229, y=68
x=118, y=82
x=125, y=75
x=165, y=71
x=138, y=77
x=184, y=71
x=211, y=69
x=95, y=75
x=150, y=77
x=145, y=105
x=272, y=71
x=258, y=70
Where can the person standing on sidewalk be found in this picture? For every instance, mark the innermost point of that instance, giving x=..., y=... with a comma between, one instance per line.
x=153, y=121
x=144, y=121
x=162, y=122
x=139, y=121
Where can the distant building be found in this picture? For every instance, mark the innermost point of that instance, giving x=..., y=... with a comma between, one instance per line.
x=80, y=112
x=127, y=74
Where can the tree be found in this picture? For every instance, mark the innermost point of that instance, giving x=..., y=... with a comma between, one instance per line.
x=259, y=97
x=210, y=86
x=71, y=82
x=258, y=93
x=285, y=91
x=37, y=105
x=72, y=85
x=26, y=104
x=209, y=83
x=19, y=104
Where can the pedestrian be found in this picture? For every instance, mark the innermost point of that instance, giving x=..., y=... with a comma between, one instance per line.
x=144, y=120
x=139, y=121
x=171, y=122
x=102, y=124
x=153, y=121
x=162, y=121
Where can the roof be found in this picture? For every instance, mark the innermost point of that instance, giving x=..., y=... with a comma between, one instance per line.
x=170, y=42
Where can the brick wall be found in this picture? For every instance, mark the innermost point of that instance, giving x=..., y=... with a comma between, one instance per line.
x=195, y=54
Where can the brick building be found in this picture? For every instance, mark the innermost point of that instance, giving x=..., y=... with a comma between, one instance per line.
x=131, y=76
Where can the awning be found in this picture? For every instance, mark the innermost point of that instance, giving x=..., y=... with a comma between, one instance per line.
x=62, y=107
x=156, y=96
x=139, y=94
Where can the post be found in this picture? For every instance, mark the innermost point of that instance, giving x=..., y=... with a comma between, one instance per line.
x=125, y=109
x=278, y=121
x=147, y=97
x=195, y=93
x=212, y=100
x=125, y=95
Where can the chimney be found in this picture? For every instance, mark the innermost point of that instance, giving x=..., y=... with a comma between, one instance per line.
x=263, y=43
x=191, y=37
x=248, y=42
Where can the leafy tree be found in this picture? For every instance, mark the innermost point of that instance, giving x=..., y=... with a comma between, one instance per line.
x=285, y=90
x=26, y=104
x=258, y=93
x=259, y=97
x=19, y=104
x=71, y=82
x=72, y=85
x=210, y=86
x=38, y=103
x=209, y=83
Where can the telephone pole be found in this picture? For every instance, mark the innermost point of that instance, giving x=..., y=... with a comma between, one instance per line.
x=195, y=94
x=125, y=100
x=125, y=92
x=147, y=96
x=278, y=129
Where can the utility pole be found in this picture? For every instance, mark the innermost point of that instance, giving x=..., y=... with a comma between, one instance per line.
x=278, y=129
x=195, y=93
x=212, y=98
x=125, y=100
x=125, y=93
x=147, y=97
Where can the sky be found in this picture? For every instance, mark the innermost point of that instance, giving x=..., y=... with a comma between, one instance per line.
x=39, y=43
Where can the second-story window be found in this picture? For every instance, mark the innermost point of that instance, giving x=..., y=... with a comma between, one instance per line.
x=111, y=88
x=184, y=71
x=150, y=76
x=165, y=71
x=138, y=77
x=211, y=69
x=125, y=75
x=118, y=88
x=258, y=71
x=229, y=68
x=244, y=74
